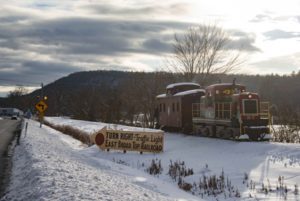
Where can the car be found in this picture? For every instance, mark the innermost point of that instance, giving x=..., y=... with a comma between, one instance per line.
x=14, y=118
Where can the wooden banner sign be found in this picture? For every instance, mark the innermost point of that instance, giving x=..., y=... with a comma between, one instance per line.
x=129, y=140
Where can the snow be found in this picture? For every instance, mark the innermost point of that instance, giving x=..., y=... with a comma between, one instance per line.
x=194, y=91
x=182, y=84
x=161, y=96
x=267, y=136
x=48, y=165
x=244, y=137
x=51, y=166
x=91, y=127
x=183, y=93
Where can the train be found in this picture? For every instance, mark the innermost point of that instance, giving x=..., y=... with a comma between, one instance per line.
x=222, y=110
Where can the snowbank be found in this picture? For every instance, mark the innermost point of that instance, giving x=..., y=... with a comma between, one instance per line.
x=51, y=166
x=91, y=127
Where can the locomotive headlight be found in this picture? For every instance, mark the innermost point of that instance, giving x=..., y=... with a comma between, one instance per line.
x=250, y=96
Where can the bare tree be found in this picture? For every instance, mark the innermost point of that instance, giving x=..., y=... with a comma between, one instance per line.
x=201, y=51
x=17, y=98
x=18, y=91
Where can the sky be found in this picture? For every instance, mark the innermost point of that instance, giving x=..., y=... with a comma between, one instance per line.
x=41, y=41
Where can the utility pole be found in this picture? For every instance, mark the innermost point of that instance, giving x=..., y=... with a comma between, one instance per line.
x=41, y=98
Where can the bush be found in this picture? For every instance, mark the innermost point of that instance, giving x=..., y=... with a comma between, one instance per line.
x=178, y=169
x=289, y=129
x=74, y=132
x=155, y=167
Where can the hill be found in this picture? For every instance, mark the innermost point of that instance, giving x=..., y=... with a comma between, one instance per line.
x=111, y=96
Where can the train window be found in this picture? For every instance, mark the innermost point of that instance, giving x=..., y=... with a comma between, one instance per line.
x=250, y=106
x=173, y=107
x=178, y=107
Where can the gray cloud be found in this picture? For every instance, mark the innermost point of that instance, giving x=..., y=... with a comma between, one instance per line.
x=242, y=41
x=39, y=67
x=243, y=44
x=87, y=36
x=66, y=41
x=284, y=64
x=105, y=9
x=261, y=17
x=31, y=72
x=271, y=17
x=280, y=34
x=44, y=49
x=157, y=46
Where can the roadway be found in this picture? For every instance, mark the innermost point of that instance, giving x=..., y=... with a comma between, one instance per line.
x=7, y=128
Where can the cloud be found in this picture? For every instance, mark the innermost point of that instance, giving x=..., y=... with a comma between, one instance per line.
x=261, y=17
x=33, y=72
x=273, y=18
x=44, y=41
x=157, y=46
x=39, y=67
x=138, y=10
x=281, y=65
x=87, y=36
x=243, y=41
x=280, y=34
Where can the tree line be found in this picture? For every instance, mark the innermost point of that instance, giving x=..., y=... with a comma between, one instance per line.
x=115, y=96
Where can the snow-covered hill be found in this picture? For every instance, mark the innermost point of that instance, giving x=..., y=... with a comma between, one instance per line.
x=51, y=166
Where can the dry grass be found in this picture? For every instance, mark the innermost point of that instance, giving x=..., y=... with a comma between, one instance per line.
x=74, y=132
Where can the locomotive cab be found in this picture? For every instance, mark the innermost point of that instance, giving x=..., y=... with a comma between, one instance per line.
x=228, y=111
x=251, y=115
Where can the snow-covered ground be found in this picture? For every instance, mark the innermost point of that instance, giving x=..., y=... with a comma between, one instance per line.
x=51, y=166
x=48, y=165
x=91, y=127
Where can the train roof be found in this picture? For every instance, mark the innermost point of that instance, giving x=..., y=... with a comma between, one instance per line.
x=183, y=93
x=221, y=86
x=193, y=91
x=161, y=96
x=182, y=84
x=224, y=84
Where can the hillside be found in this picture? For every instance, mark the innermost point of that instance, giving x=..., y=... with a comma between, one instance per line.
x=111, y=96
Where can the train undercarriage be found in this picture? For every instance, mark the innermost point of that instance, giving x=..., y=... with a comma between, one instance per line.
x=233, y=128
x=252, y=133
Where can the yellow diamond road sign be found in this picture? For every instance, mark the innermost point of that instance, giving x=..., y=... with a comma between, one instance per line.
x=41, y=106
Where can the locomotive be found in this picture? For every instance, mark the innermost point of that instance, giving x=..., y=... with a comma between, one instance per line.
x=223, y=110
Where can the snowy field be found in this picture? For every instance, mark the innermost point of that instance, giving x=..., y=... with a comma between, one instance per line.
x=51, y=166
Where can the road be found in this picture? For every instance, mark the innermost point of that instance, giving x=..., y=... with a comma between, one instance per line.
x=7, y=128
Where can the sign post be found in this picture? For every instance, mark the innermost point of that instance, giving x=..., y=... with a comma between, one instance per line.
x=107, y=139
x=41, y=106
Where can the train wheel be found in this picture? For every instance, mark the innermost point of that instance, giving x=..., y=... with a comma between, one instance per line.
x=228, y=133
x=219, y=133
x=223, y=134
x=205, y=131
x=213, y=131
x=197, y=130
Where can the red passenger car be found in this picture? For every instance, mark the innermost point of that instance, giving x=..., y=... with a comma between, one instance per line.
x=175, y=106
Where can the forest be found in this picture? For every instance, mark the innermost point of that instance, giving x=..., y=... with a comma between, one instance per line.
x=118, y=96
